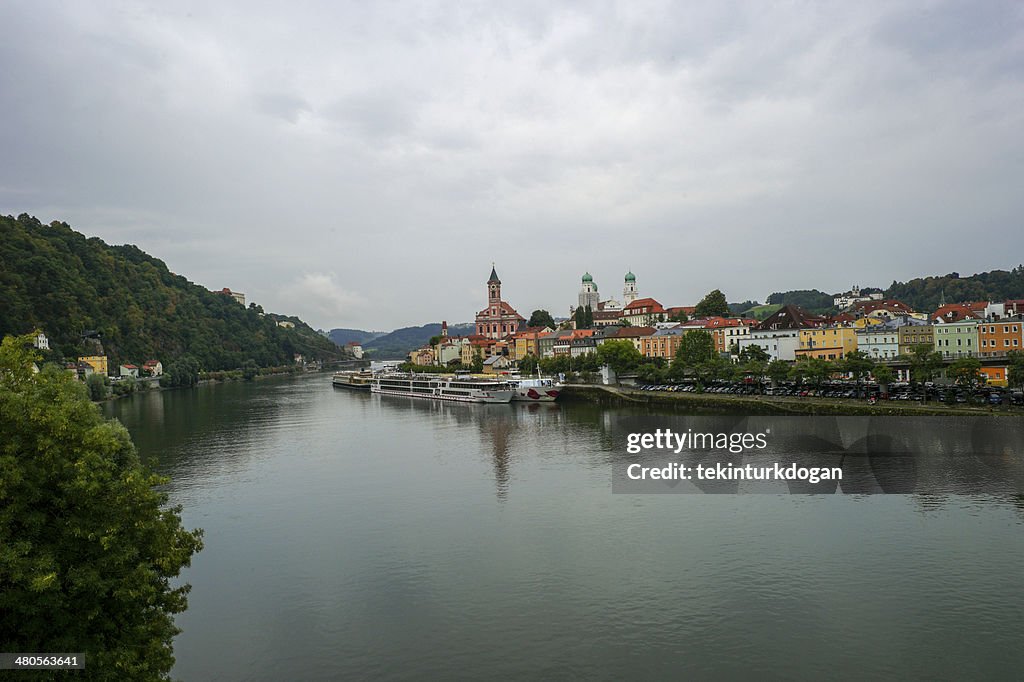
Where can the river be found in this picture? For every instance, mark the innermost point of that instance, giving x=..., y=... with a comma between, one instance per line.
x=355, y=536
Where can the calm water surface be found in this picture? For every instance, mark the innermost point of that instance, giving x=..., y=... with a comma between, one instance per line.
x=355, y=536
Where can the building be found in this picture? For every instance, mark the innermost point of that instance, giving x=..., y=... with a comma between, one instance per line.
x=527, y=342
x=41, y=342
x=663, y=343
x=286, y=324
x=913, y=333
x=643, y=312
x=879, y=342
x=129, y=371
x=999, y=338
x=496, y=364
x=634, y=335
x=498, y=319
x=582, y=345
x=844, y=301
x=956, y=339
x=422, y=356
x=97, y=362
x=778, y=335
x=237, y=295
x=153, y=368
x=827, y=343
x=996, y=376
x=687, y=311
x=607, y=317
x=728, y=332
x=474, y=347
x=629, y=293
x=588, y=295
x=545, y=344
x=883, y=310
x=355, y=348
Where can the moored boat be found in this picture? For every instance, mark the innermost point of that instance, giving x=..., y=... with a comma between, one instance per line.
x=535, y=390
x=357, y=381
x=440, y=387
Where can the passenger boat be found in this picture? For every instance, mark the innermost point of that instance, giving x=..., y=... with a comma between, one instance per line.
x=357, y=381
x=439, y=387
x=535, y=390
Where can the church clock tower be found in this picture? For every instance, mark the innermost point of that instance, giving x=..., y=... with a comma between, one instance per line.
x=493, y=289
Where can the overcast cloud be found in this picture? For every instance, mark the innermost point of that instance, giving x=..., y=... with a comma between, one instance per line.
x=361, y=164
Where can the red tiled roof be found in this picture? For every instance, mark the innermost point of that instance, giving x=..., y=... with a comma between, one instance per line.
x=890, y=304
x=954, y=312
x=639, y=303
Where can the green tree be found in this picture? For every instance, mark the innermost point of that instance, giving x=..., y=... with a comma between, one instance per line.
x=678, y=316
x=619, y=354
x=966, y=372
x=528, y=365
x=88, y=548
x=97, y=386
x=1015, y=373
x=478, y=361
x=712, y=305
x=250, y=370
x=883, y=375
x=858, y=364
x=541, y=318
x=925, y=362
x=815, y=370
x=695, y=347
x=754, y=352
x=183, y=372
x=778, y=371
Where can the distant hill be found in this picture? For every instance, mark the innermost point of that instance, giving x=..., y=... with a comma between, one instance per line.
x=760, y=312
x=925, y=293
x=810, y=300
x=58, y=280
x=344, y=336
x=397, y=344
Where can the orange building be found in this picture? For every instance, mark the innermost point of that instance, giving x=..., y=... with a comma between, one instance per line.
x=999, y=338
x=996, y=376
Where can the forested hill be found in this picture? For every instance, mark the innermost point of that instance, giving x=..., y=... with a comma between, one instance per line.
x=55, y=279
x=925, y=293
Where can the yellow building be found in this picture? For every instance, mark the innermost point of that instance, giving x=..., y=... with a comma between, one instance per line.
x=863, y=322
x=828, y=343
x=97, y=362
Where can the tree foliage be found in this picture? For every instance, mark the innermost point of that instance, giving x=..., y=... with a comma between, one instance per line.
x=712, y=305
x=695, y=347
x=1015, y=373
x=619, y=354
x=926, y=293
x=57, y=280
x=87, y=546
x=541, y=318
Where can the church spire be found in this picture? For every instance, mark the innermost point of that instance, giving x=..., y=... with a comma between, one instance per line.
x=494, y=275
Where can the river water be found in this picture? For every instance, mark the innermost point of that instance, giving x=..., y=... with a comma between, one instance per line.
x=353, y=536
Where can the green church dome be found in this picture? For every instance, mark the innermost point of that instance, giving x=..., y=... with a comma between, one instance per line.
x=630, y=277
x=587, y=277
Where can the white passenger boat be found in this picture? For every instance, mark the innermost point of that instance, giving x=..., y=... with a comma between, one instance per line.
x=440, y=387
x=357, y=381
x=535, y=390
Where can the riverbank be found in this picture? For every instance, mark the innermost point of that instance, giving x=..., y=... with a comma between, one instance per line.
x=708, y=403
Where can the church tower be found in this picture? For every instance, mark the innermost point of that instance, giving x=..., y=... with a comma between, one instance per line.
x=493, y=288
x=629, y=289
x=588, y=293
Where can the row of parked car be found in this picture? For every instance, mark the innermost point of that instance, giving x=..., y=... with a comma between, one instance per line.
x=899, y=392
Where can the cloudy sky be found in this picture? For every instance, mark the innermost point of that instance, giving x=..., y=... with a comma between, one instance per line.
x=362, y=164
